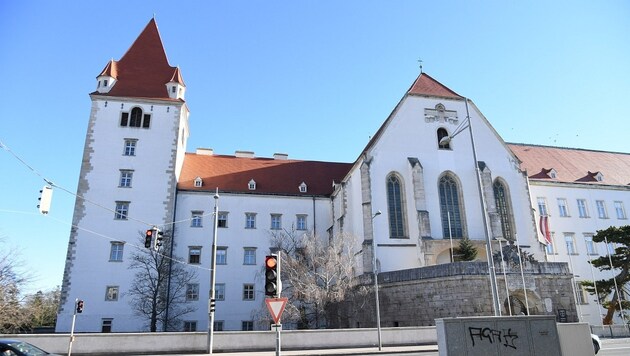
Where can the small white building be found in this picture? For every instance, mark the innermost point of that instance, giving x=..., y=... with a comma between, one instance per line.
x=420, y=170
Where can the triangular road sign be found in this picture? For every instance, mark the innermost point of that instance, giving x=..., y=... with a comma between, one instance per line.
x=276, y=307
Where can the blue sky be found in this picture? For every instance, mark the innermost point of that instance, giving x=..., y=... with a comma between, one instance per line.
x=314, y=79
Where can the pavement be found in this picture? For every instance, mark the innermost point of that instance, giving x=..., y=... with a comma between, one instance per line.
x=332, y=352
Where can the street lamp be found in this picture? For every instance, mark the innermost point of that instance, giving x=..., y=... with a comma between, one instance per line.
x=213, y=273
x=493, y=277
x=375, y=272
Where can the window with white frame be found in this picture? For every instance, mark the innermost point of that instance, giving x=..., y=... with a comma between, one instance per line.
x=542, y=206
x=249, y=255
x=222, y=220
x=250, y=220
x=106, y=325
x=582, y=209
x=190, y=326
x=569, y=240
x=550, y=249
x=581, y=293
x=563, y=209
x=276, y=221
x=198, y=182
x=196, y=219
x=591, y=248
x=122, y=210
x=130, y=147
x=251, y=185
x=125, y=178
x=248, y=292
x=620, y=210
x=601, y=209
x=111, y=293
x=219, y=291
x=192, y=291
x=303, y=187
x=221, y=255
x=194, y=255
x=116, y=251
x=301, y=222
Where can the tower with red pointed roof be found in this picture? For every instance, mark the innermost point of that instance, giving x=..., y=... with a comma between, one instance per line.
x=133, y=155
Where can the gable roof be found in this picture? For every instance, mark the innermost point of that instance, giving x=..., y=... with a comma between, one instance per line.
x=573, y=164
x=426, y=85
x=272, y=176
x=143, y=70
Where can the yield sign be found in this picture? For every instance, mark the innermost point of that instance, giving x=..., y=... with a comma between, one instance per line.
x=276, y=307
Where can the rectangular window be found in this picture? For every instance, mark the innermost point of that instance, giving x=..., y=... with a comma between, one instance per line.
x=192, y=292
x=249, y=256
x=124, y=119
x=550, y=249
x=276, y=221
x=218, y=325
x=196, y=219
x=222, y=219
x=146, y=121
x=194, y=255
x=542, y=206
x=111, y=293
x=570, y=242
x=125, y=178
x=190, y=326
x=219, y=291
x=582, y=210
x=601, y=209
x=221, y=255
x=301, y=222
x=248, y=292
x=250, y=220
x=611, y=248
x=122, y=210
x=619, y=210
x=106, y=325
x=591, y=249
x=116, y=251
x=247, y=325
x=563, y=209
x=581, y=293
x=130, y=147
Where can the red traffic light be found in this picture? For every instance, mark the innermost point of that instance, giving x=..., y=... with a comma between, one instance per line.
x=149, y=232
x=271, y=261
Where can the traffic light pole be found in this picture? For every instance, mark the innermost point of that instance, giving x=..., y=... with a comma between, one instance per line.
x=74, y=318
x=213, y=274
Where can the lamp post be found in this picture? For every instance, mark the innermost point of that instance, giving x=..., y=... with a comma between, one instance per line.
x=213, y=273
x=493, y=276
x=375, y=272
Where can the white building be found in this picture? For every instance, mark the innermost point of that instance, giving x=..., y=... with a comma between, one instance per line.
x=136, y=174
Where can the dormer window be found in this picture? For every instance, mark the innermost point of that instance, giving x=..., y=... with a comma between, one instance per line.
x=251, y=185
x=553, y=174
x=105, y=82
x=599, y=177
x=302, y=188
x=198, y=182
x=173, y=89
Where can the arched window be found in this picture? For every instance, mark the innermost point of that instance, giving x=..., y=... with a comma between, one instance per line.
x=501, y=198
x=395, y=207
x=441, y=133
x=135, y=119
x=450, y=208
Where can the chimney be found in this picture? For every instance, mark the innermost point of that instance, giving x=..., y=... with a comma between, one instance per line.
x=205, y=151
x=244, y=154
x=280, y=156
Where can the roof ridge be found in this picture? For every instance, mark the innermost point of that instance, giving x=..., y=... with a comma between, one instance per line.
x=565, y=148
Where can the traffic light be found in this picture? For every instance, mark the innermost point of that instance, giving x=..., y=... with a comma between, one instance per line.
x=159, y=236
x=273, y=285
x=79, y=306
x=147, y=238
x=45, y=197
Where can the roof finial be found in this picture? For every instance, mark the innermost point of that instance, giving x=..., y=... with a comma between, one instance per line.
x=420, y=63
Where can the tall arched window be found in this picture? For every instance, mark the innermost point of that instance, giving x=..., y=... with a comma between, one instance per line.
x=450, y=208
x=441, y=133
x=135, y=119
x=501, y=198
x=395, y=207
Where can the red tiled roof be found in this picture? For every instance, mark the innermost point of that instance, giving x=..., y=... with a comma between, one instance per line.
x=272, y=176
x=110, y=69
x=143, y=70
x=425, y=85
x=574, y=165
x=177, y=77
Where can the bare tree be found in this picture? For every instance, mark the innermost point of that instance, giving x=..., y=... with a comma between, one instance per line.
x=12, y=281
x=316, y=275
x=153, y=297
x=42, y=308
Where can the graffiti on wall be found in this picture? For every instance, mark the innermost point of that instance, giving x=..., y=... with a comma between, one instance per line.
x=493, y=336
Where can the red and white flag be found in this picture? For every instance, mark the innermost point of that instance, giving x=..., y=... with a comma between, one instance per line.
x=544, y=228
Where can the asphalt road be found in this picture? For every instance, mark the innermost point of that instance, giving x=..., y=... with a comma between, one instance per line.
x=615, y=347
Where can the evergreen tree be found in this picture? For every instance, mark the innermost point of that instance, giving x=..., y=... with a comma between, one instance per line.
x=466, y=251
